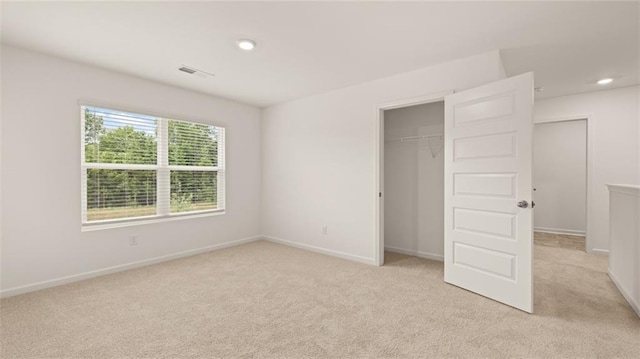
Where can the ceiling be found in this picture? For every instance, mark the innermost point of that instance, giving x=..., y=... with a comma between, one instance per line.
x=306, y=48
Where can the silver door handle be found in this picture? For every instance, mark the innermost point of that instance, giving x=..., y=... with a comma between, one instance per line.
x=523, y=204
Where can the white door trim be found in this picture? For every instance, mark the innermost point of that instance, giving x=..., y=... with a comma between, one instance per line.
x=379, y=161
x=590, y=169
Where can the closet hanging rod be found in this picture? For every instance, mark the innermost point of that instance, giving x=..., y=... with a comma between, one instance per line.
x=413, y=138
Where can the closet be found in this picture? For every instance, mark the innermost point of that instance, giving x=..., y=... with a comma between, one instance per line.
x=414, y=180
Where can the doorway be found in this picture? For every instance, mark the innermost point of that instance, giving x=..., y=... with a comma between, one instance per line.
x=380, y=146
x=414, y=180
x=560, y=182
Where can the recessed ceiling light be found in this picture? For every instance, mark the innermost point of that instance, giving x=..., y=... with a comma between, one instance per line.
x=246, y=44
x=605, y=81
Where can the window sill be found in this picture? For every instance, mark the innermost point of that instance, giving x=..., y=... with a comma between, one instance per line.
x=109, y=224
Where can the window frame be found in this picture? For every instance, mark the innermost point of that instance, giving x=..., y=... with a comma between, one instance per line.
x=162, y=170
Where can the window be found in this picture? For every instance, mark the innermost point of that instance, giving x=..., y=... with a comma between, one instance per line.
x=138, y=166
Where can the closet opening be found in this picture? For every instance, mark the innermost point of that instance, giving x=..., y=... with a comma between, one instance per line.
x=412, y=149
x=560, y=183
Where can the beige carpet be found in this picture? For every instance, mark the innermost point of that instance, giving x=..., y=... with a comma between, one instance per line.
x=560, y=240
x=267, y=300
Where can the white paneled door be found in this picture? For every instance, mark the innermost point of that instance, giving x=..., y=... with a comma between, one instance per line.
x=488, y=191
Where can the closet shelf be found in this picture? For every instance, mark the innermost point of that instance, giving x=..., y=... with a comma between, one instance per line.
x=414, y=138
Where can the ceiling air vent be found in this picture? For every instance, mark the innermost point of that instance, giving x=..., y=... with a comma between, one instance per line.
x=194, y=71
x=187, y=70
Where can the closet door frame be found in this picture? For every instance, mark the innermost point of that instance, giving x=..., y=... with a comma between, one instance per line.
x=379, y=160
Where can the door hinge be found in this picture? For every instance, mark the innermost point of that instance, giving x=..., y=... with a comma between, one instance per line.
x=380, y=194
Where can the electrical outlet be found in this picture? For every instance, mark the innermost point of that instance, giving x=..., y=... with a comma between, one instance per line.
x=325, y=229
x=133, y=240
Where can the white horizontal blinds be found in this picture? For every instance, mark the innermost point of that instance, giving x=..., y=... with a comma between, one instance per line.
x=221, y=136
x=116, y=194
x=135, y=165
x=194, y=165
x=193, y=191
x=192, y=144
x=119, y=137
x=119, y=165
x=163, y=184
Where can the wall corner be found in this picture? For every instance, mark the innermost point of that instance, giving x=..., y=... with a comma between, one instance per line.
x=502, y=73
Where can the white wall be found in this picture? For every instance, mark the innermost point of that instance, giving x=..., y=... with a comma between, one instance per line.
x=414, y=181
x=42, y=240
x=624, y=255
x=560, y=176
x=319, y=163
x=1, y=229
x=613, y=155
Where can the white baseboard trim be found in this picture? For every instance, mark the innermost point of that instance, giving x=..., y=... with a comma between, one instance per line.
x=635, y=306
x=597, y=251
x=9, y=292
x=410, y=252
x=569, y=232
x=329, y=252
